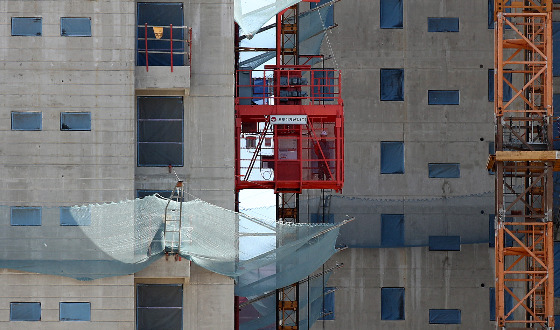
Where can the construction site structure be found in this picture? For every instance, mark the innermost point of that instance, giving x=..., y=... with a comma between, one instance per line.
x=524, y=163
x=292, y=116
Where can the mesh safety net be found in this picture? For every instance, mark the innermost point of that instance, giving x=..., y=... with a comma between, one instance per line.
x=100, y=240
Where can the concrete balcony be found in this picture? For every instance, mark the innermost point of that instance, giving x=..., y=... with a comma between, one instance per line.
x=161, y=77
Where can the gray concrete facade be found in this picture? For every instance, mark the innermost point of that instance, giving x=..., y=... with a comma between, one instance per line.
x=51, y=167
x=431, y=134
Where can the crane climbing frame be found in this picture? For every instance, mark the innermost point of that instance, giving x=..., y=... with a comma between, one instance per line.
x=524, y=163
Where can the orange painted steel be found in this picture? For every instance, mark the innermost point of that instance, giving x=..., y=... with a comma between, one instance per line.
x=524, y=188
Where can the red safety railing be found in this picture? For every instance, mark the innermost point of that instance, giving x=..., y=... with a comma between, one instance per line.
x=287, y=86
x=185, y=50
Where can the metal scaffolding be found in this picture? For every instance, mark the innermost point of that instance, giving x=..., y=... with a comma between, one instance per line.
x=524, y=163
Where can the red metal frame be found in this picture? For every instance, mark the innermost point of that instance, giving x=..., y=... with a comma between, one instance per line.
x=188, y=41
x=292, y=91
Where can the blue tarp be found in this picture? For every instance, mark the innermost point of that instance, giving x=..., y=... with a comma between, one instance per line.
x=445, y=316
x=557, y=269
x=392, y=157
x=556, y=49
x=392, y=303
x=507, y=89
x=443, y=24
x=328, y=304
x=392, y=230
x=444, y=170
x=391, y=84
x=442, y=97
x=445, y=243
x=391, y=14
x=508, y=301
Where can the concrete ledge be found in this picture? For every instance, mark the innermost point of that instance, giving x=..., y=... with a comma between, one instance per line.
x=162, y=77
x=165, y=269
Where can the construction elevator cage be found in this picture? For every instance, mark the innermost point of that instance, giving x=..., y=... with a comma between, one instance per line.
x=289, y=131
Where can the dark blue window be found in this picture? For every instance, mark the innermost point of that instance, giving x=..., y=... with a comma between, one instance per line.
x=508, y=304
x=557, y=269
x=444, y=170
x=25, y=311
x=159, y=306
x=27, y=121
x=491, y=13
x=391, y=84
x=442, y=97
x=391, y=14
x=556, y=124
x=159, y=50
x=27, y=26
x=328, y=19
x=392, y=230
x=445, y=243
x=556, y=49
x=328, y=304
x=75, y=121
x=392, y=303
x=75, y=311
x=321, y=218
x=443, y=24
x=507, y=88
x=392, y=157
x=160, y=131
x=445, y=316
x=75, y=26
x=75, y=216
x=491, y=230
x=25, y=216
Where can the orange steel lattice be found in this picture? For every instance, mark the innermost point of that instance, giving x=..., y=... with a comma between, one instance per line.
x=524, y=240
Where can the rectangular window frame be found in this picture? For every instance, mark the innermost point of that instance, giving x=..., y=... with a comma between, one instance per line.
x=35, y=317
x=36, y=223
x=66, y=315
x=140, y=144
x=66, y=116
x=67, y=219
x=391, y=157
x=393, y=300
x=443, y=24
x=37, y=23
x=391, y=77
x=159, y=51
x=434, y=170
x=445, y=316
x=445, y=243
x=444, y=97
x=37, y=114
x=392, y=230
x=66, y=23
x=388, y=8
x=140, y=307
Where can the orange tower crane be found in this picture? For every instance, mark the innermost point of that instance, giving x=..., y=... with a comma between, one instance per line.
x=524, y=163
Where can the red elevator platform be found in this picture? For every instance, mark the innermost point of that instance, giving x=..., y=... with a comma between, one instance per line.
x=289, y=129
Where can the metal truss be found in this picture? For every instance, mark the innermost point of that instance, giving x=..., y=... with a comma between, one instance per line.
x=524, y=164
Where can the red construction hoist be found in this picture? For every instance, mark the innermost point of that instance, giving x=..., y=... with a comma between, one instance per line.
x=524, y=163
x=289, y=135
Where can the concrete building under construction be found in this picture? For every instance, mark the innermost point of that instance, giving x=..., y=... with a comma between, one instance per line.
x=383, y=111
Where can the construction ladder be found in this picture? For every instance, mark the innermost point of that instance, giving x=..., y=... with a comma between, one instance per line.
x=173, y=220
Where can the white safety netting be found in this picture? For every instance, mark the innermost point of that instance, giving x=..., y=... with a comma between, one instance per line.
x=100, y=240
x=251, y=15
